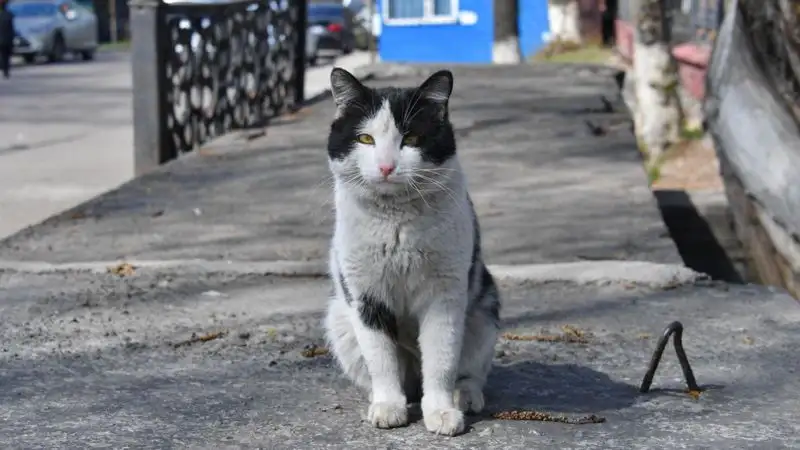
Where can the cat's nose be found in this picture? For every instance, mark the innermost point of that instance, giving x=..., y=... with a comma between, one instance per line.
x=386, y=169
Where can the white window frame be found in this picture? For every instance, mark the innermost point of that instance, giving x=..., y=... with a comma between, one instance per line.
x=428, y=18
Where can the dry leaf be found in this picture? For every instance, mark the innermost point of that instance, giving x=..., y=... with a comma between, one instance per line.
x=123, y=269
x=694, y=393
x=570, y=338
x=201, y=338
x=572, y=331
x=311, y=351
x=546, y=417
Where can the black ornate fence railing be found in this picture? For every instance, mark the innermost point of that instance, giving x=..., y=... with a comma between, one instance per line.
x=202, y=69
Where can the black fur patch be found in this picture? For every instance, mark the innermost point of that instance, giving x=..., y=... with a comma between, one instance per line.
x=376, y=315
x=428, y=120
x=487, y=282
x=494, y=310
x=488, y=296
x=476, y=243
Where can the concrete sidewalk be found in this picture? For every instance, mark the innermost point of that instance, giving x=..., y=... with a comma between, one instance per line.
x=546, y=188
x=233, y=240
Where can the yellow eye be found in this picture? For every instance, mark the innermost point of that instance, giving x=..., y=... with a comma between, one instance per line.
x=365, y=139
x=410, y=140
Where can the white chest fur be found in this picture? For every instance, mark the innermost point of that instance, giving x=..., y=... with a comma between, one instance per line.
x=399, y=256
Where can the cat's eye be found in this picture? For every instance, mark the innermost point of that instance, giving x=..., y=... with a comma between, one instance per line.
x=365, y=139
x=410, y=140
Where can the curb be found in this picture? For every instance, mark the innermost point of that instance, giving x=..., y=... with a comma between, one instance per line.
x=641, y=273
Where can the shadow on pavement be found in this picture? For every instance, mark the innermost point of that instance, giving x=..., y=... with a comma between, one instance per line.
x=563, y=388
x=694, y=238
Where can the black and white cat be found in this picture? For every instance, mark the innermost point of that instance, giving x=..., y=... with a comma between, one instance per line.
x=415, y=312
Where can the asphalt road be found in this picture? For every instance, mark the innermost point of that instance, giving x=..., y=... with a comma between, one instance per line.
x=66, y=133
x=65, y=136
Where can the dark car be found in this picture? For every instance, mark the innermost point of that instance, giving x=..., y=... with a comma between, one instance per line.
x=330, y=30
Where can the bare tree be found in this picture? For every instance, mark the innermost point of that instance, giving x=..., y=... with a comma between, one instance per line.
x=506, y=33
x=655, y=83
x=565, y=20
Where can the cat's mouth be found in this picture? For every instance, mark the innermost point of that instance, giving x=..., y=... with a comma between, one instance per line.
x=389, y=185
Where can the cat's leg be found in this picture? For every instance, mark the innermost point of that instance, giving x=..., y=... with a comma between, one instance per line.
x=480, y=336
x=375, y=327
x=440, y=338
x=339, y=330
x=362, y=332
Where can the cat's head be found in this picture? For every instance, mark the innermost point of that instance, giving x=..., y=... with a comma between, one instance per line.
x=391, y=140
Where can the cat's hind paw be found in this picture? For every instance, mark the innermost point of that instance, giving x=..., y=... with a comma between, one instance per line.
x=447, y=422
x=388, y=415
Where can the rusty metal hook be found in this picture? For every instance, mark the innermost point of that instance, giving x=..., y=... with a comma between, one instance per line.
x=676, y=329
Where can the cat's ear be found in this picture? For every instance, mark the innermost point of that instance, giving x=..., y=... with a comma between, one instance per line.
x=438, y=87
x=345, y=88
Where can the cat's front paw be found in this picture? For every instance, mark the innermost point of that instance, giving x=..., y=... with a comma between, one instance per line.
x=469, y=397
x=388, y=415
x=446, y=421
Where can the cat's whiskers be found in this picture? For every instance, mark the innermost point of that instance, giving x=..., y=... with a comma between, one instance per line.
x=414, y=115
x=410, y=107
x=441, y=172
x=443, y=187
x=413, y=184
x=327, y=182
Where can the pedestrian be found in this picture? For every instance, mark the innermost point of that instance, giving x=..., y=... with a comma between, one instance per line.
x=6, y=38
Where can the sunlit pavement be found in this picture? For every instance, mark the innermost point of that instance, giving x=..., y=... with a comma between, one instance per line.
x=66, y=133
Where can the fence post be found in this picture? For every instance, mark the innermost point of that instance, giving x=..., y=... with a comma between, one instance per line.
x=300, y=54
x=721, y=10
x=149, y=143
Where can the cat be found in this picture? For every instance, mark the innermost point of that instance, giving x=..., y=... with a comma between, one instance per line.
x=414, y=314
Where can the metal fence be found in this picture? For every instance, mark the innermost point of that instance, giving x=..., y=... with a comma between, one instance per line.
x=204, y=68
x=689, y=20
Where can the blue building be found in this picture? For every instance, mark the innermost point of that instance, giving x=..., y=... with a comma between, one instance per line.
x=452, y=31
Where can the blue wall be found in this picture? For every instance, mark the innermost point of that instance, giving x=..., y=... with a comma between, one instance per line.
x=434, y=43
x=457, y=43
x=533, y=23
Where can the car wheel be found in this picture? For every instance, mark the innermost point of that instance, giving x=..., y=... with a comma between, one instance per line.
x=87, y=55
x=312, y=61
x=58, y=50
x=29, y=59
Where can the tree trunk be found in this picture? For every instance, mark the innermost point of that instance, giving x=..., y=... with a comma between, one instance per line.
x=506, y=33
x=658, y=113
x=565, y=20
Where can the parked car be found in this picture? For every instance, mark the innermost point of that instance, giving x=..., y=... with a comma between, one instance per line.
x=53, y=28
x=330, y=30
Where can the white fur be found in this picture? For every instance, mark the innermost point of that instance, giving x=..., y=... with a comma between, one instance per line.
x=413, y=252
